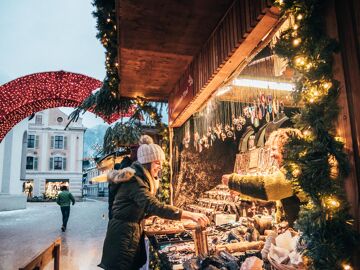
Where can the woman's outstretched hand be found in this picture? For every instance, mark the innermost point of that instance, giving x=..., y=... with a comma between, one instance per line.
x=199, y=218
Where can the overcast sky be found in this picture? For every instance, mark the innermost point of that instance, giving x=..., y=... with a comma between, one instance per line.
x=49, y=35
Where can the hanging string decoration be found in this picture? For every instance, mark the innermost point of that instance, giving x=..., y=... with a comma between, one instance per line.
x=39, y=91
x=221, y=120
x=317, y=156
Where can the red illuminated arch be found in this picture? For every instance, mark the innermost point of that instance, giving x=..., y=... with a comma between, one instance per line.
x=36, y=92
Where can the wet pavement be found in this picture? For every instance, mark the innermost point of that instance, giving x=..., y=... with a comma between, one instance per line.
x=24, y=233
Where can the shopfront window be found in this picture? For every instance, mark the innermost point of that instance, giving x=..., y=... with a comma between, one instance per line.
x=52, y=187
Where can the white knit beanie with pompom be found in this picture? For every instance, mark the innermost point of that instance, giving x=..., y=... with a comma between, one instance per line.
x=149, y=151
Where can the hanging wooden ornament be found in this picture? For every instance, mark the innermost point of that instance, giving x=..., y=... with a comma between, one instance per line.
x=238, y=127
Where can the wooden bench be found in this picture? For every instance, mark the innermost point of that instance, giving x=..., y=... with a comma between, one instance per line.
x=40, y=261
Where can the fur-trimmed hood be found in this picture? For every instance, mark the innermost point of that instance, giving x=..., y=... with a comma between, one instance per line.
x=120, y=176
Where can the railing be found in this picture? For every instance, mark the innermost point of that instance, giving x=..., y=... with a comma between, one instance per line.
x=40, y=261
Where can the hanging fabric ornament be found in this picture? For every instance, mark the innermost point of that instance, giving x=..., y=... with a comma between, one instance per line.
x=282, y=107
x=242, y=120
x=223, y=136
x=229, y=133
x=196, y=140
x=256, y=122
x=274, y=105
x=206, y=142
x=238, y=127
x=186, y=140
x=252, y=111
x=227, y=128
x=267, y=117
x=208, y=132
x=246, y=112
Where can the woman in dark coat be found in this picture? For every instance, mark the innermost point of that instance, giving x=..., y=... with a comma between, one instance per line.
x=124, y=246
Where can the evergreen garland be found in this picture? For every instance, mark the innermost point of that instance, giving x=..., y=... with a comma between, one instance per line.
x=316, y=162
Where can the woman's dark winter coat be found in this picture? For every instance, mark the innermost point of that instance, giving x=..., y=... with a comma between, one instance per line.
x=113, y=187
x=124, y=246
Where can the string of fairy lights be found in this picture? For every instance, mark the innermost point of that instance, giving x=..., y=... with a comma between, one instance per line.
x=33, y=93
x=316, y=162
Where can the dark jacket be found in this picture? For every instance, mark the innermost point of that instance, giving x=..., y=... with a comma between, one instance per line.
x=113, y=187
x=64, y=198
x=124, y=243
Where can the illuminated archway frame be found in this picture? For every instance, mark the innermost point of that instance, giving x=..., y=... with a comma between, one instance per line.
x=39, y=91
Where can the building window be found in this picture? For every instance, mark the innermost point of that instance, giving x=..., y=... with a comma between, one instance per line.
x=58, y=142
x=57, y=163
x=31, y=141
x=59, y=119
x=38, y=119
x=31, y=163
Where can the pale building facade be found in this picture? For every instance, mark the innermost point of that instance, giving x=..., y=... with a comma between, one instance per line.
x=54, y=155
x=12, y=168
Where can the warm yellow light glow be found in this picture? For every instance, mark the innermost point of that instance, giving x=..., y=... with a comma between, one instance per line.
x=311, y=100
x=116, y=64
x=299, y=17
x=303, y=153
x=331, y=202
x=347, y=267
x=264, y=84
x=295, y=27
x=108, y=20
x=300, y=60
x=326, y=85
x=297, y=41
x=307, y=132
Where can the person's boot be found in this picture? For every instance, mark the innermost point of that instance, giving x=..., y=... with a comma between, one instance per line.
x=63, y=228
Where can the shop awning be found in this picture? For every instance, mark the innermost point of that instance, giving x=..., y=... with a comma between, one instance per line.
x=100, y=178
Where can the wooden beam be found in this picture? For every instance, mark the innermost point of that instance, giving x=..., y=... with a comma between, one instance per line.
x=40, y=261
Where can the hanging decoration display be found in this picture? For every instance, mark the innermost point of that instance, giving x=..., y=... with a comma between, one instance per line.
x=39, y=91
x=221, y=120
x=317, y=156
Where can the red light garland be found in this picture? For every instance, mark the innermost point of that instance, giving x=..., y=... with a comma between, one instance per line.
x=39, y=91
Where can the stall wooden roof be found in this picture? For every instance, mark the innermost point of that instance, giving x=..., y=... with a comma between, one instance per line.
x=158, y=39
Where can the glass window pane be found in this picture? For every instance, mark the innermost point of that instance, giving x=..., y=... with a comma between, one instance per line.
x=29, y=163
x=59, y=142
x=31, y=141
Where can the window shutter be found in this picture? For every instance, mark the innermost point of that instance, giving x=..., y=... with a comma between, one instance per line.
x=35, y=163
x=52, y=142
x=51, y=164
x=65, y=142
x=64, y=164
x=37, y=141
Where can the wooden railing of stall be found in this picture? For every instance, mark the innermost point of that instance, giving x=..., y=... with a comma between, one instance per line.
x=40, y=261
x=231, y=31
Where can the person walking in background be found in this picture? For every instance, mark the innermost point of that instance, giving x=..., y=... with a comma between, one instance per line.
x=64, y=199
x=113, y=187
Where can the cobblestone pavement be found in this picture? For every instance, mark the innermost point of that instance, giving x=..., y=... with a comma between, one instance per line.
x=24, y=233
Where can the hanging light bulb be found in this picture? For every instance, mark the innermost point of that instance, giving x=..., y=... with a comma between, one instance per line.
x=296, y=41
x=299, y=17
